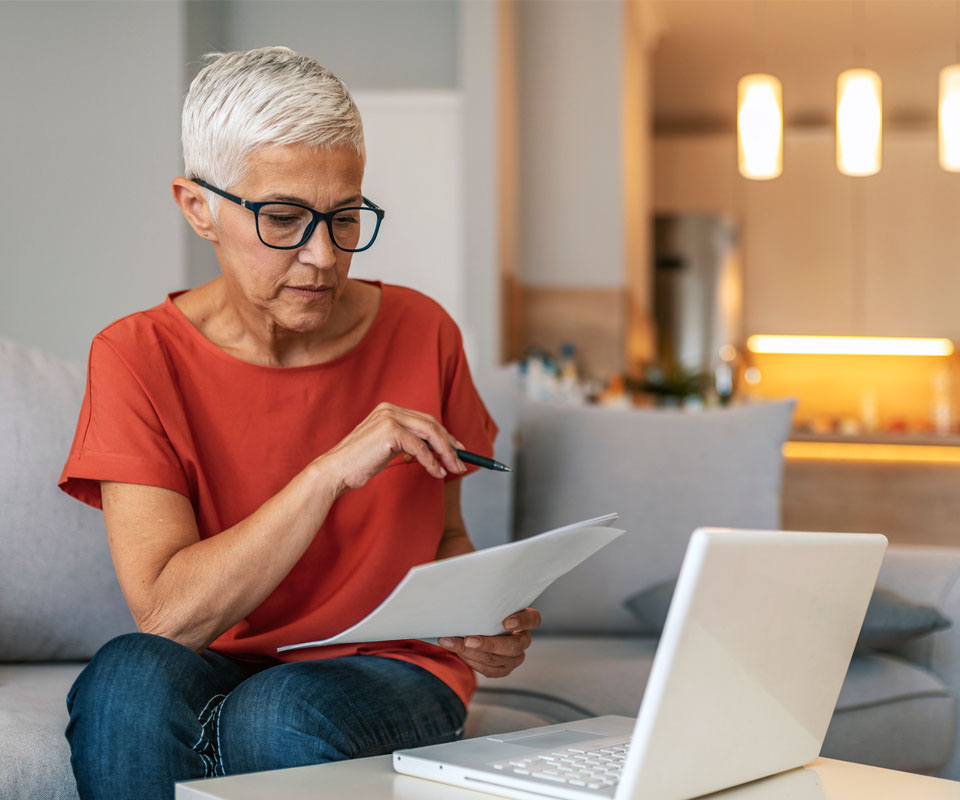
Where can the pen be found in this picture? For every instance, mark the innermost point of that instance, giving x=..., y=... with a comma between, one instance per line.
x=472, y=458
x=479, y=461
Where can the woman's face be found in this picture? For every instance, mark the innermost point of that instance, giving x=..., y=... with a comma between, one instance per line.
x=296, y=290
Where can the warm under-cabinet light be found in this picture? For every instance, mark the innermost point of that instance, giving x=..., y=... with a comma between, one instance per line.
x=859, y=122
x=850, y=345
x=855, y=451
x=760, y=126
x=949, y=118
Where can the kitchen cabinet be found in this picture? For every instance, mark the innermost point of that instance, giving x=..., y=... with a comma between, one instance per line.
x=912, y=241
x=824, y=253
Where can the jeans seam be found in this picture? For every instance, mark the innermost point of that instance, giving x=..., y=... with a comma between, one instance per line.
x=200, y=718
x=216, y=749
x=203, y=742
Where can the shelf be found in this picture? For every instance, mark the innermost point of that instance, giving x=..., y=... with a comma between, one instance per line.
x=913, y=439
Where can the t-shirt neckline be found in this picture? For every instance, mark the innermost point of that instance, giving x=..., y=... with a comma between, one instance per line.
x=204, y=342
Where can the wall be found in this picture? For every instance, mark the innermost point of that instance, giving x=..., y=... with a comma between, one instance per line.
x=91, y=93
x=375, y=44
x=567, y=274
x=570, y=167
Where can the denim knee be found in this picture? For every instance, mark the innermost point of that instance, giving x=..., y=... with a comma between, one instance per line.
x=129, y=681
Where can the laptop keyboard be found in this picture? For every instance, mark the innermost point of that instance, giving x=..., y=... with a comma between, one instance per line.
x=577, y=766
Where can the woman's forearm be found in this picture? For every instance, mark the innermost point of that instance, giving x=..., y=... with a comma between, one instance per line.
x=207, y=587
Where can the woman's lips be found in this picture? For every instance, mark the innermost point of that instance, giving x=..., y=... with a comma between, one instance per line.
x=312, y=292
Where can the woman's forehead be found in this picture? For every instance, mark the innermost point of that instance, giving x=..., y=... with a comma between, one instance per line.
x=292, y=171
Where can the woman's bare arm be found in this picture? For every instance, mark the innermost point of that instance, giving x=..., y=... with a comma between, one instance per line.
x=190, y=589
x=455, y=541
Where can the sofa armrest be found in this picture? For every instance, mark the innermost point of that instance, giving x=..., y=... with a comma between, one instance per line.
x=931, y=575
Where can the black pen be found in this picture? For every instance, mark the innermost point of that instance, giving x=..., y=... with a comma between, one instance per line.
x=479, y=461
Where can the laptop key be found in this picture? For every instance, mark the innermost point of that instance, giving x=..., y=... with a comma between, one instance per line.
x=547, y=777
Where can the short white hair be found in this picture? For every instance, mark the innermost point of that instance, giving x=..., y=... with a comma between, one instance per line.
x=243, y=101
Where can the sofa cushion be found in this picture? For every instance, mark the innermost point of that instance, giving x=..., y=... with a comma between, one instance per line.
x=59, y=596
x=892, y=714
x=487, y=496
x=665, y=472
x=584, y=676
x=892, y=619
x=35, y=758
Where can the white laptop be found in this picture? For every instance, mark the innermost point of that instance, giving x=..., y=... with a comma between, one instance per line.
x=743, y=685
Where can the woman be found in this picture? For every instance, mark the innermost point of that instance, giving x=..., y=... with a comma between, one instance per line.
x=272, y=452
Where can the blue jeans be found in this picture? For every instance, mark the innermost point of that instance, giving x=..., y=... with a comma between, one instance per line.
x=147, y=712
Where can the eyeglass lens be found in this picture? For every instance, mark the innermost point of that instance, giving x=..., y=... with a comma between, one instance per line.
x=282, y=225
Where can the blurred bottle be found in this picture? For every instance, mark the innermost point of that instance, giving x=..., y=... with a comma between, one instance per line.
x=615, y=395
x=569, y=387
x=540, y=378
x=942, y=411
x=869, y=411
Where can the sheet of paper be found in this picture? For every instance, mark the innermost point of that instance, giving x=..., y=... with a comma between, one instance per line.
x=474, y=593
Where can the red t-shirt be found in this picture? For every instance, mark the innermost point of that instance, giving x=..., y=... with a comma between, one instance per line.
x=166, y=407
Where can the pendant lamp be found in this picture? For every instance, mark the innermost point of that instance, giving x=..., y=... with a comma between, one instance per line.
x=949, y=118
x=760, y=126
x=859, y=122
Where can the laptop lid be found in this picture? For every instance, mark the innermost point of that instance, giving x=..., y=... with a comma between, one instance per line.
x=753, y=654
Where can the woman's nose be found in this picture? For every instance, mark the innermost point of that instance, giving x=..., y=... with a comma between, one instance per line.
x=319, y=249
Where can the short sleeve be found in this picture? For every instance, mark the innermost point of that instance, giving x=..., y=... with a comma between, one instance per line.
x=464, y=413
x=119, y=434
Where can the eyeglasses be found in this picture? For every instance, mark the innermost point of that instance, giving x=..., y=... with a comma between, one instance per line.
x=287, y=226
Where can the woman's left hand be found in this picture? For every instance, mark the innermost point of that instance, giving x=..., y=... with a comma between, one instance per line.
x=496, y=656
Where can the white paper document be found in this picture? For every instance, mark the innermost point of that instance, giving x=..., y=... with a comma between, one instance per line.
x=475, y=592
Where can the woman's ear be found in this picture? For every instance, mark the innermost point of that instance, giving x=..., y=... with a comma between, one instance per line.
x=193, y=203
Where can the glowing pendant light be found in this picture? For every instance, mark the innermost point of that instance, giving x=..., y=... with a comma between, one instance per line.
x=760, y=126
x=949, y=118
x=859, y=122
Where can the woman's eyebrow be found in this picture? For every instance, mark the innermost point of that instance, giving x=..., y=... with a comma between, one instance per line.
x=354, y=199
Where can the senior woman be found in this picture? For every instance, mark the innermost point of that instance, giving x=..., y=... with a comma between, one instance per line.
x=272, y=452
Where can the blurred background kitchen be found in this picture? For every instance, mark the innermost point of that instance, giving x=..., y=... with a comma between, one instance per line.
x=596, y=190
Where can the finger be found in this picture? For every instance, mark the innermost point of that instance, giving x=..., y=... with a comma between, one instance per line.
x=488, y=661
x=435, y=435
x=493, y=672
x=415, y=446
x=452, y=643
x=504, y=645
x=525, y=620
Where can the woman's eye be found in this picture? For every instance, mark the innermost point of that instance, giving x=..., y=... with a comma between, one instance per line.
x=273, y=219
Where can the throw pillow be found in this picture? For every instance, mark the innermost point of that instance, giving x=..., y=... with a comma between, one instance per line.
x=890, y=621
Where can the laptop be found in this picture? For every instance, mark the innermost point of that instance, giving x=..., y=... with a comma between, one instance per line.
x=744, y=682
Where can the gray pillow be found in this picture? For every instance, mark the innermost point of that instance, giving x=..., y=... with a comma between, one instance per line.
x=59, y=596
x=891, y=619
x=665, y=472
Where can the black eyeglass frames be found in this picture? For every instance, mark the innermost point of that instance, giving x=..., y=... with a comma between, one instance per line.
x=287, y=226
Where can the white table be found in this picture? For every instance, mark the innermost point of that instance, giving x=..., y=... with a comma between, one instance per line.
x=369, y=778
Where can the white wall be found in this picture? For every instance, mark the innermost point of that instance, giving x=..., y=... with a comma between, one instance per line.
x=414, y=171
x=91, y=94
x=570, y=63
x=373, y=44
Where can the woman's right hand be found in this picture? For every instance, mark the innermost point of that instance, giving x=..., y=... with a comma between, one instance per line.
x=386, y=433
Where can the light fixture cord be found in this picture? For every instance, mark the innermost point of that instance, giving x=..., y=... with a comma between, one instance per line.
x=759, y=40
x=956, y=30
x=858, y=15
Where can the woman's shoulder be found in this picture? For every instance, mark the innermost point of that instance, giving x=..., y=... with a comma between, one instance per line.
x=140, y=332
x=409, y=304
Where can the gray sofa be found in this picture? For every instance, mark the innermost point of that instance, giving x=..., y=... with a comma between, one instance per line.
x=665, y=472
